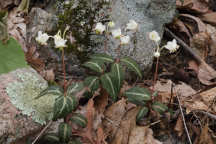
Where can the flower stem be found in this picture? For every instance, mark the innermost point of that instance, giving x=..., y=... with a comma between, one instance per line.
x=156, y=73
x=63, y=68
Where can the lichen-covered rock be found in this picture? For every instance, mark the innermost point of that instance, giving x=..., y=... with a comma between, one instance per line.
x=20, y=113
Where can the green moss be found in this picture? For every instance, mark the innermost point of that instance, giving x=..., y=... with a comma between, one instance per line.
x=22, y=94
x=80, y=18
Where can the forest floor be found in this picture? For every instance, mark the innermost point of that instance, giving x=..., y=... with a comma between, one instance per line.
x=186, y=82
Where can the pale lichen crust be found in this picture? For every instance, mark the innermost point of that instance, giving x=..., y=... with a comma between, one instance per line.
x=22, y=94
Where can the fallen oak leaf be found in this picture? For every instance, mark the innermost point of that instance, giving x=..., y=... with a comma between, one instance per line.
x=209, y=18
x=142, y=135
x=196, y=6
x=192, y=20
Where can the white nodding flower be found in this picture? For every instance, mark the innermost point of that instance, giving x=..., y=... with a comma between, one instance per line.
x=154, y=36
x=172, y=46
x=111, y=24
x=100, y=28
x=157, y=54
x=116, y=33
x=132, y=25
x=42, y=38
x=59, y=41
x=124, y=40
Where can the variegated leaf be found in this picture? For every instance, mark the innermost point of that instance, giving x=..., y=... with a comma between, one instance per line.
x=95, y=66
x=92, y=82
x=132, y=65
x=79, y=119
x=51, y=138
x=74, y=88
x=102, y=57
x=65, y=132
x=53, y=89
x=63, y=106
x=141, y=113
x=138, y=95
x=109, y=85
x=159, y=107
x=118, y=74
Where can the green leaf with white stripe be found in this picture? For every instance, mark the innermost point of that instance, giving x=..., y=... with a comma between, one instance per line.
x=109, y=85
x=138, y=95
x=63, y=106
x=92, y=82
x=102, y=57
x=55, y=90
x=132, y=65
x=74, y=88
x=51, y=138
x=159, y=107
x=118, y=74
x=141, y=113
x=79, y=119
x=65, y=132
x=95, y=66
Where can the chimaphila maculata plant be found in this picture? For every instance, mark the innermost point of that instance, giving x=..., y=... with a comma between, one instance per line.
x=110, y=72
x=109, y=75
x=172, y=46
x=66, y=101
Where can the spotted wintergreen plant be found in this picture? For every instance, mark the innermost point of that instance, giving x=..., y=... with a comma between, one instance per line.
x=143, y=99
x=110, y=73
x=63, y=106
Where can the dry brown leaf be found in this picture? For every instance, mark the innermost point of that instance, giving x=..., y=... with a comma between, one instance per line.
x=198, y=6
x=200, y=43
x=196, y=24
x=179, y=127
x=4, y=4
x=202, y=101
x=113, y=116
x=212, y=32
x=127, y=125
x=17, y=27
x=205, y=73
x=100, y=136
x=209, y=18
x=179, y=26
x=182, y=89
x=142, y=135
x=32, y=57
x=205, y=137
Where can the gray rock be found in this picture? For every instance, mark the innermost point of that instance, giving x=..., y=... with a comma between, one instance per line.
x=150, y=15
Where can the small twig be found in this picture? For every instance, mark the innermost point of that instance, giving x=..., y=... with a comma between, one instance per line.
x=208, y=114
x=183, y=119
x=154, y=123
x=43, y=130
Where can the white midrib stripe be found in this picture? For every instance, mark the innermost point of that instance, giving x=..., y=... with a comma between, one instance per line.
x=96, y=66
